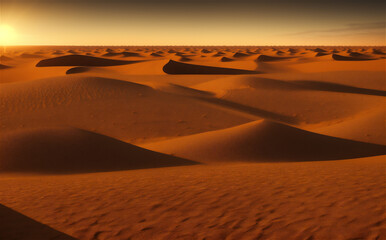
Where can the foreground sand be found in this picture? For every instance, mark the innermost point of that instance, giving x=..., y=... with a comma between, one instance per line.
x=192, y=143
x=308, y=200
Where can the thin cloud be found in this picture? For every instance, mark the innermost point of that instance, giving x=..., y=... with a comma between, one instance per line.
x=349, y=28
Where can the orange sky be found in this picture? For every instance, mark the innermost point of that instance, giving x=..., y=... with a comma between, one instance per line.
x=199, y=22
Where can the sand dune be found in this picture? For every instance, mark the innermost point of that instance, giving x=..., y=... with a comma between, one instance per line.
x=367, y=127
x=75, y=70
x=266, y=58
x=260, y=141
x=130, y=54
x=226, y=59
x=263, y=140
x=320, y=50
x=205, y=51
x=58, y=53
x=81, y=60
x=185, y=59
x=72, y=51
x=173, y=67
x=71, y=100
x=156, y=54
x=218, y=54
x=5, y=58
x=2, y=66
x=378, y=52
x=351, y=58
x=14, y=225
x=306, y=102
x=111, y=54
x=359, y=55
x=335, y=87
x=266, y=83
x=231, y=83
x=240, y=55
x=320, y=54
x=67, y=150
x=29, y=55
x=181, y=90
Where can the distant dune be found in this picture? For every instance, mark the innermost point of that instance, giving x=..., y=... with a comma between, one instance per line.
x=266, y=58
x=185, y=59
x=245, y=82
x=75, y=70
x=111, y=54
x=2, y=66
x=261, y=141
x=5, y=58
x=205, y=51
x=320, y=54
x=155, y=54
x=351, y=58
x=378, y=52
x=81, y=60
x=173, y=67
x=192, y=142
x=226, y=59
x=131, y=54
x=240, y=55
x=57, y=53
x=29, y=55
x=68, y=150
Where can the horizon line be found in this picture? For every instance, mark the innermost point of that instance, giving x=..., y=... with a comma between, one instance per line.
x=212, y=45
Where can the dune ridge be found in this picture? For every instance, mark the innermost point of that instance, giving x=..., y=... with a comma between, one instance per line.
x=14, y=225
x=265, y=140
x=70, y=150
x=81, y=60
x=2, y=66
x=266, y=58
x=360, y=57
x=173, y=67
x=75, y=70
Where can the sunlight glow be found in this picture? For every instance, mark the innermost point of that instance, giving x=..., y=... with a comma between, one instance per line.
x=7, y=35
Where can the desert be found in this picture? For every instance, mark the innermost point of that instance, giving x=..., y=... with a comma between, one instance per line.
x=194, y=142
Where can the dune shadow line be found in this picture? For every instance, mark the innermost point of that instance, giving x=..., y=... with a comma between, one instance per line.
x=16, y=226
x=335, y=87
x=249, y=110
x=82, y=60
x=174, y=67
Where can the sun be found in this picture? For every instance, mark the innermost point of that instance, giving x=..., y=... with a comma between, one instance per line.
x=7, y=35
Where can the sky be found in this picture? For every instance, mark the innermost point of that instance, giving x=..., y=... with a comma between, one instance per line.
x=194, y=22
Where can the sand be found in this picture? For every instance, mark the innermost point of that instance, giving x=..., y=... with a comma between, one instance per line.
x=192, y=143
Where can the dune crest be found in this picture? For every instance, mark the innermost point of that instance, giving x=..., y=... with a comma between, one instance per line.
x=338, y=57
x=173, y=67
x=5, y=58
x=266, y=58
x=81, y=60
x=366, y=127
x=2, y=66
x=75, y=70
x=70, y=150
x=262, y=141
x=225, y=59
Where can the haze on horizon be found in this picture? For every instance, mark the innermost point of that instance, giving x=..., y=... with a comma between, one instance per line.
x=195, y=22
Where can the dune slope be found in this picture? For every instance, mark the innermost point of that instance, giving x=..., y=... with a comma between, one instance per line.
x=68, y=150
x=173, y=67
x=265, y=141
x=81, y=60
x=16, y=226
